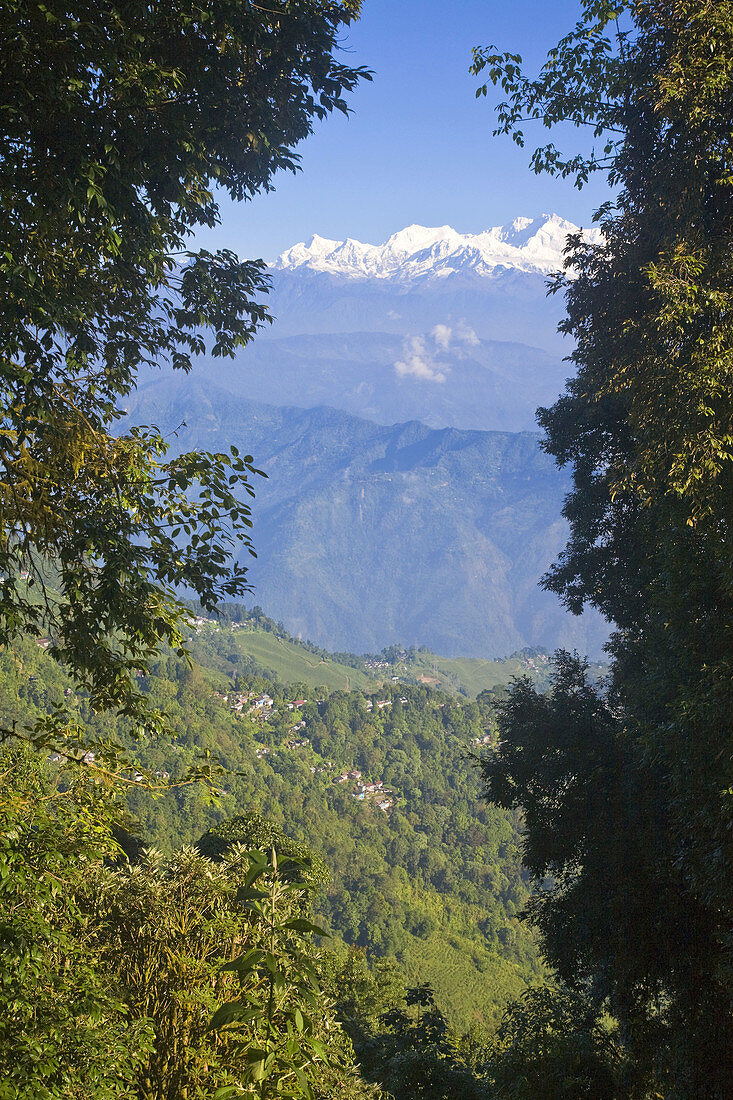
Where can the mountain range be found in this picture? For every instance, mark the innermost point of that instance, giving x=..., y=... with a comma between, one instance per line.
x=451, y=329
x=531, y=245
x=392, y=406
x=370, y=535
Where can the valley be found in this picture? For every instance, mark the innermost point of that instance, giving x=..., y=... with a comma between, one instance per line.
x=378, y=782
x=369, y=536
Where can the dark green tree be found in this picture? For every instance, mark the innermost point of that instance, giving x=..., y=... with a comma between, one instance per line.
x=412, y=1053
x=550, y=1046
x=642, y=774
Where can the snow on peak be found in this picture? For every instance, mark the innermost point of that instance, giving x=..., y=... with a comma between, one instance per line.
x=532, y=245
x=416, y=238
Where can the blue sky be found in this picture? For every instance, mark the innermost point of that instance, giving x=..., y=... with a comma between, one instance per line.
x=418, y=146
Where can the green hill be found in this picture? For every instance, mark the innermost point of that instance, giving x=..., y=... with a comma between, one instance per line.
x=266, y=647
x=280, y=656
x=466, y=676
x=378, y=780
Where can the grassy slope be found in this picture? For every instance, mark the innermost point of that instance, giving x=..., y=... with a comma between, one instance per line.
x=474, y=675
x=458, y=675
x=293, y=663
x=296, y=663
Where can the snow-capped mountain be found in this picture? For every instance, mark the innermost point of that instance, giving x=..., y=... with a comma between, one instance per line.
x=530, y=245
x=493, y=282
x=430, y=351
x=455, y=330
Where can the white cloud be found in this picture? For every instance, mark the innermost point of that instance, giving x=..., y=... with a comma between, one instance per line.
x=442, y=334
x=418, y=361
x=466, y=334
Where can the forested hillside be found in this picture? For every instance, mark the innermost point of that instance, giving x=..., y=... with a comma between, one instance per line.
x=377, y=782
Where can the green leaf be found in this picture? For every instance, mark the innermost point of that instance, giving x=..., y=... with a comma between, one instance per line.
x=246, y=962
x=302, y=925
x=226, y=1014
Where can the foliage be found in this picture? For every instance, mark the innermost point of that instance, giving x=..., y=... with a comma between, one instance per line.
x=253, y=831
x=118, y=124
x=169, y=930
x=550, y=1047
x=436, y=881
x=65, y=1033
x=112, y=972
x=414, y=1055
x=585, y=83
x=274, y=1020
x=164, y=928
x=646, y=425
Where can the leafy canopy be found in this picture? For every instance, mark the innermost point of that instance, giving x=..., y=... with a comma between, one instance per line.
x=121, y=124
x=628, y=797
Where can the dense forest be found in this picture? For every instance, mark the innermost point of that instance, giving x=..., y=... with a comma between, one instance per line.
x=415, y=876
x=433, y=879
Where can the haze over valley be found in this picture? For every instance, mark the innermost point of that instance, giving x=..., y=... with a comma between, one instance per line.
x=392, y=407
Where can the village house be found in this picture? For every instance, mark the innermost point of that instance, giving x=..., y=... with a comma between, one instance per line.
x=262, y=702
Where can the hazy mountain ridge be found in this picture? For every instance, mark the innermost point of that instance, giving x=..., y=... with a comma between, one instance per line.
x=369, y=535
x=447, y=376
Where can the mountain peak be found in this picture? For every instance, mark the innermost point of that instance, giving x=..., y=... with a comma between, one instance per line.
x=416, y=238
x=533, y=245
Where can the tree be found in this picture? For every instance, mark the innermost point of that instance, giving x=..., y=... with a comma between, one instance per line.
x=411, y=1051
x=65, y=1031
x=281, y=1025
x=120, y=124
x=549, y=1048
x=112, y=972
x=646, y=425
x=171, y=931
